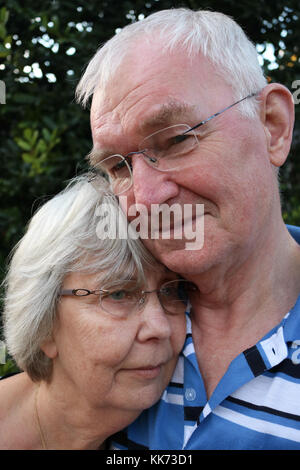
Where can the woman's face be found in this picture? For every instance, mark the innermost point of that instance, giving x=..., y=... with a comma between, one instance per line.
x=113, y=361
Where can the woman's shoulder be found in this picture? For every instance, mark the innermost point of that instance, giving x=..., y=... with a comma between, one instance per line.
x=8, y=375
x=15, y=377
x=15, y=391
x=13, y=387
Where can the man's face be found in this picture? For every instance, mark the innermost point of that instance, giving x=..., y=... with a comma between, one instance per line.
x=232, y=175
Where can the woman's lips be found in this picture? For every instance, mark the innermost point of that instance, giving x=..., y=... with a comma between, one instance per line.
x=149, y=372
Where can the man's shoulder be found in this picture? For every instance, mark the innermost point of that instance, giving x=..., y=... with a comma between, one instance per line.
x=294, y=231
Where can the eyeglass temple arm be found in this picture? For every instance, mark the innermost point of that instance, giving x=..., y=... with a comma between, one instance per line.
x=66, y=292
x=71, y=291
x=220, y=112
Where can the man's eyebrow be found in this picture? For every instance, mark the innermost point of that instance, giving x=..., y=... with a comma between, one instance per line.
x=95, y=156
x=167, y=113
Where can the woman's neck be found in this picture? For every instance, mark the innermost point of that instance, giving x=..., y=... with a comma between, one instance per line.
x=69, y=422
x=54, y=418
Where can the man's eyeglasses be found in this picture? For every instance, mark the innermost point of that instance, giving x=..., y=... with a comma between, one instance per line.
x=165, y=150
x=120, y=302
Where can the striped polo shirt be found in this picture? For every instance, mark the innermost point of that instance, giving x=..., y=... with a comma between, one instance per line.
x=255, y=406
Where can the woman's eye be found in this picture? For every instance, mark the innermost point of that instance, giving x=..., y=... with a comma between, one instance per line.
x=167, y=291
x=118, y=295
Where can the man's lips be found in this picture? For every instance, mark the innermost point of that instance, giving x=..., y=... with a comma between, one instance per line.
x=169, y=216
x=179, y=226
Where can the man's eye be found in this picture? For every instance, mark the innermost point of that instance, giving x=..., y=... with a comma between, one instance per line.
x=180, y=138
x=119, y=170
x=180, y=143
x=119, y=166
x=129, y=162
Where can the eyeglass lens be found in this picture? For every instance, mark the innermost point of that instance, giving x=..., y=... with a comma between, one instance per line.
x=165, y=148
x=119, y=172
x=162, y=150
x=172, y=295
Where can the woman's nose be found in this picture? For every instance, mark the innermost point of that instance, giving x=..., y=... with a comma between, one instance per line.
x=155, y=323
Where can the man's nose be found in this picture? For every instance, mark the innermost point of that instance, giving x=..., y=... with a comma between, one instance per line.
x=151, y=186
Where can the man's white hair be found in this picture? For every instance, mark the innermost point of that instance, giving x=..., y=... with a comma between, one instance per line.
x=214, y=35
x=67, y=234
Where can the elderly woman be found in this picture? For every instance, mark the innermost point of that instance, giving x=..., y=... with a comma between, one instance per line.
x=94, y=322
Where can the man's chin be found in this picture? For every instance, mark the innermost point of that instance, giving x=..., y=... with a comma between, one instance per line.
x=172, y=253
x=161, y=246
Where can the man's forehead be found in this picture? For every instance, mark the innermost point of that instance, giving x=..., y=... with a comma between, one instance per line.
x=154, y=113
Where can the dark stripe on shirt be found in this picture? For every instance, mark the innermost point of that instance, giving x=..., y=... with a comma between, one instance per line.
x=192, y=413
x=175, y=384
x=287, y=367
x=265, y=409
x=255, y=361
x=122, y=439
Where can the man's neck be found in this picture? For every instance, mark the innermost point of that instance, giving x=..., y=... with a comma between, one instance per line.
x=269, y=278
x=235, y=308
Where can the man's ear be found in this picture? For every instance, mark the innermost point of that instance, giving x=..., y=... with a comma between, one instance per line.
x=277, y=116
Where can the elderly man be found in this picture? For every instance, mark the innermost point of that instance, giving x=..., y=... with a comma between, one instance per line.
x=181, y=99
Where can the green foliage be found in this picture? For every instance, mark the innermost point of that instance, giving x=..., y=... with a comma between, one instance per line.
x=7, y=365
x=37, y=151
x=8, y=368
x=44, y=47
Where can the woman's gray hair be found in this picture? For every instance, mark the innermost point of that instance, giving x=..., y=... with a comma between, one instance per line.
x=213, y=34
x=67, y=234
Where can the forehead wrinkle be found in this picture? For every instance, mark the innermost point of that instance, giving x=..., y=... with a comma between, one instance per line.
x=167, y=113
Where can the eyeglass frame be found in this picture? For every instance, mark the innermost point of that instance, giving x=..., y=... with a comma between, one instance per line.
x=199, y=124
x=143, y=152
x=141, y=301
